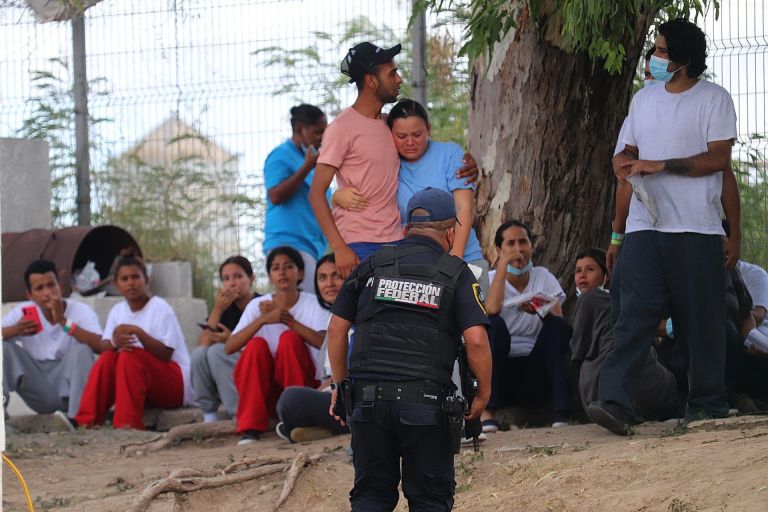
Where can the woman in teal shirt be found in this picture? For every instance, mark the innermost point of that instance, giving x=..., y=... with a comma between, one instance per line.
x=288, y=173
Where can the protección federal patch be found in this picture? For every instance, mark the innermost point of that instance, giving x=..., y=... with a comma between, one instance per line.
x=406, y=291
x=479, y=296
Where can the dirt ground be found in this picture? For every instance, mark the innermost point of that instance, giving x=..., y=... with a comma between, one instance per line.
x=719, y=465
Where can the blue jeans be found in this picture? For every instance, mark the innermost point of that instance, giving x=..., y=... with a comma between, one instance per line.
x=365, y=249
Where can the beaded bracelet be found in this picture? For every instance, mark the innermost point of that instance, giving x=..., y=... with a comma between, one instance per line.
x=69, y=327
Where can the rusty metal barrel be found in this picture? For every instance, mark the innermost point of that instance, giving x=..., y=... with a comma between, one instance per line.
x=69, y=248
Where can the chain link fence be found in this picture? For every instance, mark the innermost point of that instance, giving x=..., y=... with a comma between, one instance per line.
x=187, y=97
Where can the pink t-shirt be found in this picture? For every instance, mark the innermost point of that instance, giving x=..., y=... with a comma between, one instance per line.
x=362, y=150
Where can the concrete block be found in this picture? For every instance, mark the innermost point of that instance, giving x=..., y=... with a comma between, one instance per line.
x=25, y=185
x=171, y=279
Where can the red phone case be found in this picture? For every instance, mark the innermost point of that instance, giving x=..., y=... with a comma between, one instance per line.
x=30, y=313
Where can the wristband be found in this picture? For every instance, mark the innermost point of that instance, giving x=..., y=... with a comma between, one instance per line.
x=69, y=327
x=615, y=242
x=617, y=236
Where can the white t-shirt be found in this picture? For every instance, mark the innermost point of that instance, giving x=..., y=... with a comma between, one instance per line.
x=158, y=320
x=524, y=327
x=52, y=342
x=306, y=311
x=756, y=280
x=663, y=125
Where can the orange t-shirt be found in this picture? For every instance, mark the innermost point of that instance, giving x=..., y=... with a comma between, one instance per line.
x=362, y=151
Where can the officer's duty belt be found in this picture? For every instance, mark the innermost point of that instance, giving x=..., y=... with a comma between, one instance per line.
x=408, y=391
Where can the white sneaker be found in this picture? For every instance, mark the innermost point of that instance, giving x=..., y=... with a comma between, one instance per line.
x=480, y=438
x=64, y=421
x=559, y=424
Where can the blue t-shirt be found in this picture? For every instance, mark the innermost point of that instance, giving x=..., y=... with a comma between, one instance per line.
x=293, y=222
x=437, y=169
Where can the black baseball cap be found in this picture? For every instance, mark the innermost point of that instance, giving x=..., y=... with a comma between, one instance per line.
x=362, y=57
x=438, y=203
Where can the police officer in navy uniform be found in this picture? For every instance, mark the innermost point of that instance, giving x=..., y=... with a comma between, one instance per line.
x=410, y=305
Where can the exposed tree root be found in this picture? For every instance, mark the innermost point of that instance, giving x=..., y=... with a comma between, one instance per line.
x=177, y=434
x=290, y=481
x=190, y=480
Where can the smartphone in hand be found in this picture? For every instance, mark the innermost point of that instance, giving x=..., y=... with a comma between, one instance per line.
x=207, y=327
x=31, y=314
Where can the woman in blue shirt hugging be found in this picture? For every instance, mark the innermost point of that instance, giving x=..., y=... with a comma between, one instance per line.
x=428, y=163
x=288, y=173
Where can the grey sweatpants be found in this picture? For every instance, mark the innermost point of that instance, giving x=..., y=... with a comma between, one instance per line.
x=47, y=386
x=213, y=380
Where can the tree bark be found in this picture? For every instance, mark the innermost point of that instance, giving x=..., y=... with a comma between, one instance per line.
x=543, y=124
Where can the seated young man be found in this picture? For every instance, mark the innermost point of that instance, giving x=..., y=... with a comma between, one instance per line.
x=57, y=339
x=529, y=352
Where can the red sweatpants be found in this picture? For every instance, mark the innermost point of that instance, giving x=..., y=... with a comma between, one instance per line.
x=129, y=380
x=260, y=378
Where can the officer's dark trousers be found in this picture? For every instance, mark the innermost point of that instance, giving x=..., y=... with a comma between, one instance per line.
x=682, y=273
x=536, y=378
x=393, y=430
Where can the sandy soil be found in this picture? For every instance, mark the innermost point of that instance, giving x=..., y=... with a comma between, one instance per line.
x=714, y=466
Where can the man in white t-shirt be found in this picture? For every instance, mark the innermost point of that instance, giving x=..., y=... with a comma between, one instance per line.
x=677, y=142
x=48, y=345
x=528, y=345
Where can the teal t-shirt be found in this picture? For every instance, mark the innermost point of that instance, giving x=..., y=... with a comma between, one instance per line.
x=437, y=169
x=292, y=222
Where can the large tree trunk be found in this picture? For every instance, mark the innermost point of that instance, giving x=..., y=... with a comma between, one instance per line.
x=543, y=124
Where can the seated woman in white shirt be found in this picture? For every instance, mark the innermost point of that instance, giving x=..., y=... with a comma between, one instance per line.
x=279, y=336
x=144, y=359
x=529, y=352
x=303, y=412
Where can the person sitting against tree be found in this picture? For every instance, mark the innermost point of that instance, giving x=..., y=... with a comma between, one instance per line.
x=279, y=338
x=144, y=359
x=427, y=163
x=592, y=342
x=288, y=173
x=48, y=346
x=303, y=412
x=212, y=367
x=529, y=352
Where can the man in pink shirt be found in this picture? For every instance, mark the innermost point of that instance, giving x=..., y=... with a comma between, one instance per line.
x=358, y=149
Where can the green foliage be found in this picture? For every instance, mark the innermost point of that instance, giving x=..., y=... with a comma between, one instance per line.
x=173, y=207
x=593, y=27
x=52, y=118
x=752, y=176
x=320, y=60
x=317, y=66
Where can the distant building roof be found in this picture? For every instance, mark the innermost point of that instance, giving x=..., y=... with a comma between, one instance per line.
x=174, y=140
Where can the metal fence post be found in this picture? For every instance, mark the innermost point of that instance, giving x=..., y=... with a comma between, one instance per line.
x=80, y=91
x=419, y=37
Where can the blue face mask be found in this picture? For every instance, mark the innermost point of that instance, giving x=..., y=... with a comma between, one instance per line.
x=658, y=68
x=520, y=271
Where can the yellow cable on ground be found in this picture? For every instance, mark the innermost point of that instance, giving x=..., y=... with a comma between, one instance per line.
x=21, y=480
